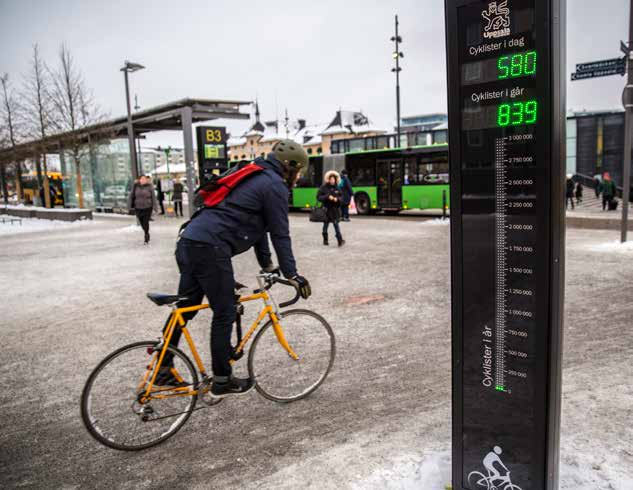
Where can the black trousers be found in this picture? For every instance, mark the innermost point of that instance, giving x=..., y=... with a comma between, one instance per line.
x=337, y=228
x=206, y=270
x=143, y=216
x=569, y=200
x=162, y=208
x=605, y=201
x=177, y=205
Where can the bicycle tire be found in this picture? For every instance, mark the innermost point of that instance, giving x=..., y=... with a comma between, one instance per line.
x=304, y=393
x=89, y=421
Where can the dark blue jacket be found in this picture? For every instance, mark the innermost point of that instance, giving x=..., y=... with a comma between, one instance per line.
x=257, y=206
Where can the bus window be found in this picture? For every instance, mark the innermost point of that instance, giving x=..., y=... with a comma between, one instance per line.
x=361, y=170
x=311, y=176
x=433, y=170
x=410, y=170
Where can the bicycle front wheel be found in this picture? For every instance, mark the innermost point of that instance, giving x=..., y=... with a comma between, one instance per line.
x=114, y=405
x=279, y=376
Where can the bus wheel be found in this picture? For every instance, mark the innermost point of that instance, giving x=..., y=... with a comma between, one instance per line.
x=363, y=204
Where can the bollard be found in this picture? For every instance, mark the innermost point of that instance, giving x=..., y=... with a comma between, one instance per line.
x=444, y=204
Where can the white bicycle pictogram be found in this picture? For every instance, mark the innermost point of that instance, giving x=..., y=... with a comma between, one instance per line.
x=492, y=482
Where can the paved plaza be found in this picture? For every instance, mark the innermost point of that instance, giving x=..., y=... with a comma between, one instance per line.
x=71, y=295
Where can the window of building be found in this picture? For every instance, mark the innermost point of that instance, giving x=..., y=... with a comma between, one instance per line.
x=319, y=150
x=356, y=144
x=382, y=142
x=309, y=151
x=440, y=137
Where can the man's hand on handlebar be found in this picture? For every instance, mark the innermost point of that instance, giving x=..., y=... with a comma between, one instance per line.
x=302, y=285
x=271, y=269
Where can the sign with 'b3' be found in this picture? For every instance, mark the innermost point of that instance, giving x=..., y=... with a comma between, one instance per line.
x=212, y=151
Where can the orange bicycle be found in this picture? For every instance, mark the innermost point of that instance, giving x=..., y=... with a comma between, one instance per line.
x=123, y=409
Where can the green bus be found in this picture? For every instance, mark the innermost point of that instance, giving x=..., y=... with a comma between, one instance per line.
x=388, y=180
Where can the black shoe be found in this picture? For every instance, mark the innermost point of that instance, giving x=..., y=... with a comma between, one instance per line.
x=165, y=378
x=341, y=242
x=235, y=386
x=325, y=240
x=146, y=238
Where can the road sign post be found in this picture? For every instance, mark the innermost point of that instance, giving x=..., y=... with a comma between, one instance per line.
x=507, y=151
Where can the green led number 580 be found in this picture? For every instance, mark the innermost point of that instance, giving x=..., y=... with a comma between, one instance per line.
x=517, y=113
x=517, y=65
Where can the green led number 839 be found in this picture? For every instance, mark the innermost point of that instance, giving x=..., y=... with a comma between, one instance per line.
x=517, y=65
x=517, y=113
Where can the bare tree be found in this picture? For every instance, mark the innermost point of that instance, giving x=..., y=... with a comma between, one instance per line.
x=38, y=113
x=11, y=120
x=74, y=107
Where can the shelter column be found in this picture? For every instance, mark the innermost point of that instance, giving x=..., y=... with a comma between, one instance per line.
x=3, y=182
x=187, y=132
x=18, y=181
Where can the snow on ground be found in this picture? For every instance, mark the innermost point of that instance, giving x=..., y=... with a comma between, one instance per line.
x=411, y=472
x=433, y=472
x=31, y=225
x=436, y=222
x=41, y=208
x=614, y=246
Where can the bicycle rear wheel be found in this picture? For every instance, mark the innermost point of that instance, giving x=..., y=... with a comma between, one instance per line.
x=113, y=407
x=280, y=377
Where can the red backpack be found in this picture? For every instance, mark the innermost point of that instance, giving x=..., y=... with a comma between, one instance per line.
x=219, y=187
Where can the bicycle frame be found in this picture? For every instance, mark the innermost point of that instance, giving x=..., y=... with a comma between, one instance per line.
x=176, y=320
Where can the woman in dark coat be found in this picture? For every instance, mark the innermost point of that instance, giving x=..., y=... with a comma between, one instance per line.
x=331, y=197
x=143, y=202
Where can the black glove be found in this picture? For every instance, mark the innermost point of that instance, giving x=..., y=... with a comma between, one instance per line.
x=302, y=285
x=271, y=269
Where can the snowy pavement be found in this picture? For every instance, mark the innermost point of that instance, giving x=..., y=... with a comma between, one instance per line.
x=382, y=419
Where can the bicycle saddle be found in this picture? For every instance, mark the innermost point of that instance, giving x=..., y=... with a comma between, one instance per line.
x=166, y=299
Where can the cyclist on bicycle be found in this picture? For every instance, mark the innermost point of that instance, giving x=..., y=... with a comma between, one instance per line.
x=256, y=207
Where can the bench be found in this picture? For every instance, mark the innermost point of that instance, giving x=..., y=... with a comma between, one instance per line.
x=10, y=219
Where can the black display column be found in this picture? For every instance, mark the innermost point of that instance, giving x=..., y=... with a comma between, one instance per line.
x=506, y=137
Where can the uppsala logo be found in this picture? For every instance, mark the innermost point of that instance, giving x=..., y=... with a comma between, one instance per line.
x=498, y=19
x=493, y=479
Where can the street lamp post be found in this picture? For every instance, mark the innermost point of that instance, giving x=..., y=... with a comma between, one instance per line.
x=130, y=67
x=397, y=54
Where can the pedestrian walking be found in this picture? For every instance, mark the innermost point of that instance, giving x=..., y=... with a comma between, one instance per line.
x=579, y=189
x=608, y=191
x=331, y=197
x=177, y=196
x=348, y=193
x=569, y=193
x=597, y=185
x=143, y=202
x=161, y=195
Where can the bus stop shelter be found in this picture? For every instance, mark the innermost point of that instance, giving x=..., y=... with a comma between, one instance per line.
x=177, y=115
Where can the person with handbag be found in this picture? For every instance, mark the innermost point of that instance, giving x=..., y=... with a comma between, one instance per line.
x=331, y=197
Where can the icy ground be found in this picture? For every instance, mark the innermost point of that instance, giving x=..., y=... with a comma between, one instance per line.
x=381, y=420
x=30, y=225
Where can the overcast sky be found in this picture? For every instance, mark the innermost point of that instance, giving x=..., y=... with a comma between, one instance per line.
x=308, y=57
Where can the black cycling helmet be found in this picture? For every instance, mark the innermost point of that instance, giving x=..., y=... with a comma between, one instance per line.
x=292, y=156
